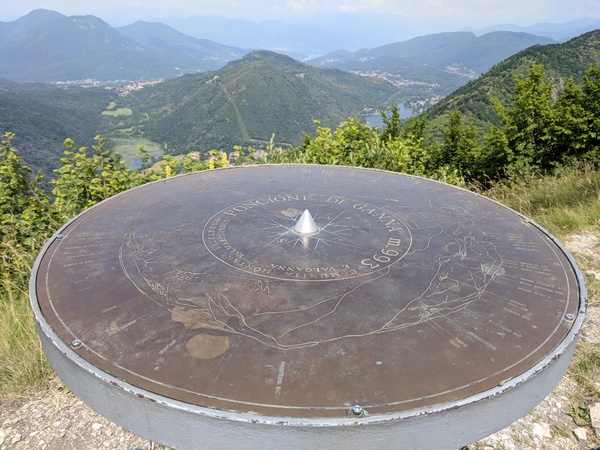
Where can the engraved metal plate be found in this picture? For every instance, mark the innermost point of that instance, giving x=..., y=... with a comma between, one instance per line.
x=400, y=294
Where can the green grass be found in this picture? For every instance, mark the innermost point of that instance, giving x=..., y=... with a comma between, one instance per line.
x=118, y=112
x=563, y=203
x=127, y=146
x=23, y=365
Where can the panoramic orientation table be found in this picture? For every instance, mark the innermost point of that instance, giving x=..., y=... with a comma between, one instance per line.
x=305, y=306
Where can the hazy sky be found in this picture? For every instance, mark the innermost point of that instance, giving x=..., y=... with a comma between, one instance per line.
x=456, y=13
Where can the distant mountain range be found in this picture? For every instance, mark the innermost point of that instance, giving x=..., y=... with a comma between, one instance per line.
x=330, y=32
x=48, y=46
x=250, y=98
x=158, y=35
x=297, y=41
x=462, y=52
x=560, y=32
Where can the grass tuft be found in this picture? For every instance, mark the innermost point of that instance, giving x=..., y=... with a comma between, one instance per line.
x=23, y=365
x=567, y=201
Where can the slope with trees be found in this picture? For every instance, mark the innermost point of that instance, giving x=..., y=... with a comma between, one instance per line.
x=250, y=99
x=560, y=62
x=42, y=117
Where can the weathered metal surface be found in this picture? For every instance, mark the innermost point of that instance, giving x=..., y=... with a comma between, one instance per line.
x=410, y=294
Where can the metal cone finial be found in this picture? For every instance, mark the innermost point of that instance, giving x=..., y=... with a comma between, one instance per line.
x=305, y=225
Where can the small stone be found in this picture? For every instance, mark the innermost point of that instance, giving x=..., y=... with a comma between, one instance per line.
x=580, y=433
x=595, y=415
x=3, y=435
x=96, y=426
x=15, y=439
x=542, y=430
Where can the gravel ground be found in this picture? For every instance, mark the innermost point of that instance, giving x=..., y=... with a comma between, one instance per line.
x=56, y=420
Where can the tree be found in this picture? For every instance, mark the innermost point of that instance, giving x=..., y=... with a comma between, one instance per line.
x=523, y=141
x=85, y=180
x=353, y=143
x=357, y=144
x=391, y=129
x=591, y=104
x=569, y=134
x=528, y=122
x=25, y=219
x=460, y=149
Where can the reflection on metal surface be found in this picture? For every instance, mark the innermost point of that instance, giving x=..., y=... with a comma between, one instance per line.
x=394, y=293
x=306, y=225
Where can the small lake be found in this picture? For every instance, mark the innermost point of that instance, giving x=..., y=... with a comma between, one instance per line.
x=375, y=119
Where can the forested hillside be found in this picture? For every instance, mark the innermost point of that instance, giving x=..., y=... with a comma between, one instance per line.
x=42, y=117
x=560, y=62
x=249, y=100
x=245, y=103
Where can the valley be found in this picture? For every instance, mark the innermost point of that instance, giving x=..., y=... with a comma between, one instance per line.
x=175, y=93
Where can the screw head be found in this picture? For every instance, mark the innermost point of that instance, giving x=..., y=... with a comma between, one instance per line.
x=569, y=316
x=357, y=411
x=76, y=344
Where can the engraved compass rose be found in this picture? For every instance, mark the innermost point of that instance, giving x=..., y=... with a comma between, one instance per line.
x=306, y=233
x=309, y=237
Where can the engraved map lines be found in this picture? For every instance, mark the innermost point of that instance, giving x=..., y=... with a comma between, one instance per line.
x=438, y=301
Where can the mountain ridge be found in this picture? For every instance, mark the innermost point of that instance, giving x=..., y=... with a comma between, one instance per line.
x=175, y=52
x=63, y=48
x=441, y=50
x=560, y=61
x=248, y=100
x=159, y=35
x=558, y=31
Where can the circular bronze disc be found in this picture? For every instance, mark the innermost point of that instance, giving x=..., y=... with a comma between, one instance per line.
x=408, y=293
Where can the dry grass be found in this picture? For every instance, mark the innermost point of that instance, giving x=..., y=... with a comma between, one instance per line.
x=23, y=365
x=562, y=203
